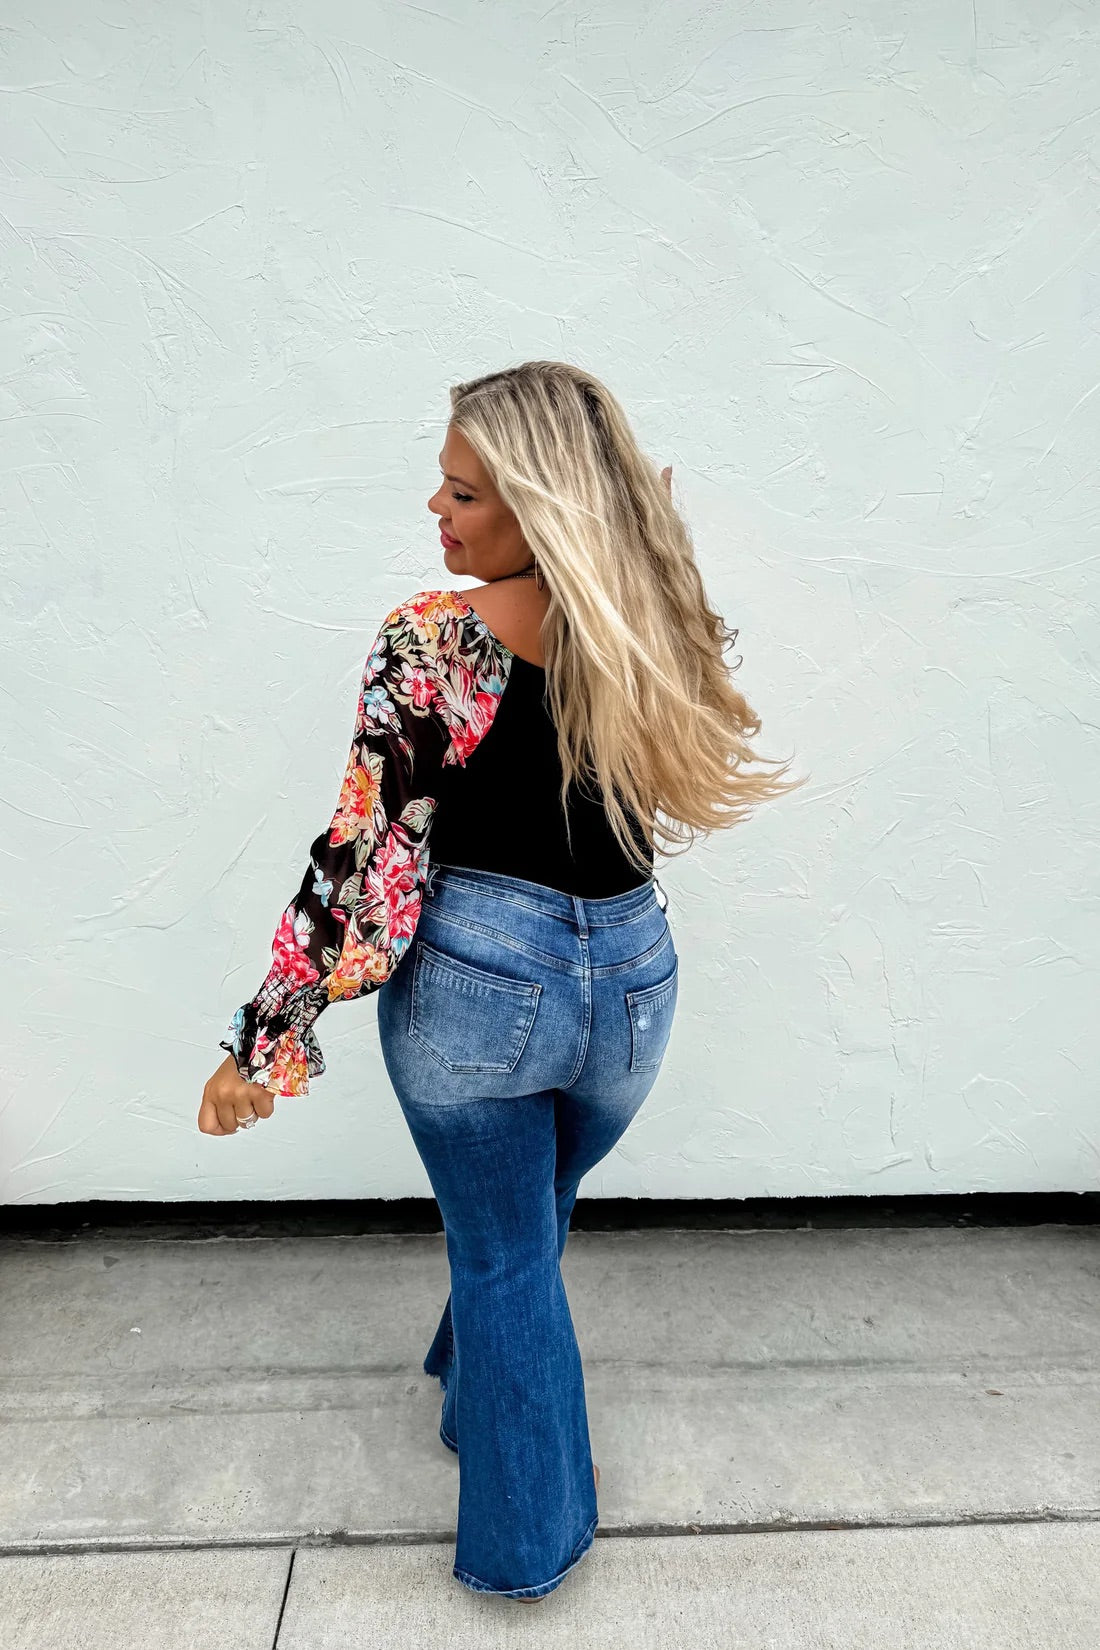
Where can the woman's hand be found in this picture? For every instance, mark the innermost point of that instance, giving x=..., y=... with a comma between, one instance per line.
x=227, y=1098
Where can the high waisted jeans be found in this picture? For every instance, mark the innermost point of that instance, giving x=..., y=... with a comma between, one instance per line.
x=522, y=1030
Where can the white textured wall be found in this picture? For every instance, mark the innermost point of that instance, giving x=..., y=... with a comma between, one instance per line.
x=842, y=264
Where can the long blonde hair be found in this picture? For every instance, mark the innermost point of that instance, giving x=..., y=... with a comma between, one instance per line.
x=638, y=686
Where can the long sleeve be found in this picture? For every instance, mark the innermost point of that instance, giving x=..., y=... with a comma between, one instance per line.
x=351, y=920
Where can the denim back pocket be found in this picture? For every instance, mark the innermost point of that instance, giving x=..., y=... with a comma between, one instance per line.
x=468, y=1018
x=651, y=1010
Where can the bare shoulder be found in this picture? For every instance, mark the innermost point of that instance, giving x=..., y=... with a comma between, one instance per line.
x=513, y=610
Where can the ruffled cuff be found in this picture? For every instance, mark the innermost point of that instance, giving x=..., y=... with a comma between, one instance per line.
x=283, y=1064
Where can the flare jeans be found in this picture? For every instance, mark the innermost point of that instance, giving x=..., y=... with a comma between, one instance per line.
x=522, y=1030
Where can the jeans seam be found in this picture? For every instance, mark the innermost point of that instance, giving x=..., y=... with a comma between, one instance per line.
x=499, y=937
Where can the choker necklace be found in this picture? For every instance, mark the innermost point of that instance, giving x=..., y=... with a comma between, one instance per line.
x=524, y=573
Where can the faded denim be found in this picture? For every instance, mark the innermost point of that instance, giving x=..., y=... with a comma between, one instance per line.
x=522, y=1030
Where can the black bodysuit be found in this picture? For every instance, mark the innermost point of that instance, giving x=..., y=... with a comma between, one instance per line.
x=502, y=811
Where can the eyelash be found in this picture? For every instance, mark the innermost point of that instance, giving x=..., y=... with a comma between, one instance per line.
x=463, y=498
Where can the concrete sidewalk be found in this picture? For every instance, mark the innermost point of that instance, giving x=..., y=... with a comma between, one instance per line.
x=806, y=1439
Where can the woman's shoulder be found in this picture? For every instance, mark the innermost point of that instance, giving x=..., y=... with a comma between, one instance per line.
x=432, y=607
x=427, y=617
x=444, y=623
x=449, y=664
x=439, y=634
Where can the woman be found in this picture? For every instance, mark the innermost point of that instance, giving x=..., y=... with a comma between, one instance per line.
x=491, y=860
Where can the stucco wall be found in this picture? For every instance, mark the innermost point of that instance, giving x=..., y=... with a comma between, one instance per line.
x=842, y=265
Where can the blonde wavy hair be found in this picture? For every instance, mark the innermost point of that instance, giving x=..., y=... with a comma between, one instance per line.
x=639, y=688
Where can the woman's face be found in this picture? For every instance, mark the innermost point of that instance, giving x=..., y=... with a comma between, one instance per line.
x=480, y=535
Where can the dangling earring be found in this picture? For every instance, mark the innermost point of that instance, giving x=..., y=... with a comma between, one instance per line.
x=539, y=580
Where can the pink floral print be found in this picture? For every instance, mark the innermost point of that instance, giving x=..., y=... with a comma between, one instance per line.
x=431, y=686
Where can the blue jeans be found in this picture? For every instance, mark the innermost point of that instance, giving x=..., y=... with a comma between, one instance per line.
x=521, y=1031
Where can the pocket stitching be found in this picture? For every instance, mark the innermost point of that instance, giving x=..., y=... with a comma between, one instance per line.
x=429, y=957
x=649, y=996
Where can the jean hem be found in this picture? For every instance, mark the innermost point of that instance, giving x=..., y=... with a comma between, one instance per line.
x=476, y=1585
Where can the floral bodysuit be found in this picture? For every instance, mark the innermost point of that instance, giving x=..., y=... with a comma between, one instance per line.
x=433, y=683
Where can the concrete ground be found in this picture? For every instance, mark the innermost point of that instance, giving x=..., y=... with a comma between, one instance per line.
x=807, y=1440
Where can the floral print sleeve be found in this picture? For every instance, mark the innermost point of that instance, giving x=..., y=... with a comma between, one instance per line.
x=429, y=692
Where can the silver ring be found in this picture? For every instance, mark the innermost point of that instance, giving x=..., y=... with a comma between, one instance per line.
x=250, y=1121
